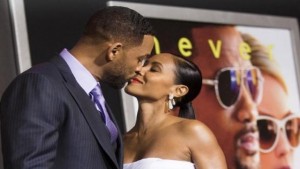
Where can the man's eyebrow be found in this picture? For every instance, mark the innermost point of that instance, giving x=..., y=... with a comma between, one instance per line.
x=145, y=56
x=148, y=56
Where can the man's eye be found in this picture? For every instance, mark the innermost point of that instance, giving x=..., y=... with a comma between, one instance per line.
x=146, y=63
x=142, y=61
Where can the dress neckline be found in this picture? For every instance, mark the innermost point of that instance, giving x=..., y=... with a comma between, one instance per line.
x=157, y=159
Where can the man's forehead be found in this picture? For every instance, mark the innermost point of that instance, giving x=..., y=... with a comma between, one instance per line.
x=218, y=49
x=210, y=66
x=215, y=31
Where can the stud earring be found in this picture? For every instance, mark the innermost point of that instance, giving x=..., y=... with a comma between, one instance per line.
x=171, y=101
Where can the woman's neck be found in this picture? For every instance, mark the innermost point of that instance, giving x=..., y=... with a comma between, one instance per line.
x=150, y=116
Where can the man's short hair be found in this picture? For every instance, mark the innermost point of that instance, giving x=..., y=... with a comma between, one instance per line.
x=118, y=24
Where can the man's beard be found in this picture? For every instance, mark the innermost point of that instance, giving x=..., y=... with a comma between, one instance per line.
x=114, y=81
x=116, y=77
x=247, y=162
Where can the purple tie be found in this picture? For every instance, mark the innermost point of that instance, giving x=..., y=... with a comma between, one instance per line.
x=99, y=101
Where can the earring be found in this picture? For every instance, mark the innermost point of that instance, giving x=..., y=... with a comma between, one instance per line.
x=171, y=101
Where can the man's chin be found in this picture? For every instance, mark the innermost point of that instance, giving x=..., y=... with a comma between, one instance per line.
x=247, y=161
x=247, y=148
x=118, y=85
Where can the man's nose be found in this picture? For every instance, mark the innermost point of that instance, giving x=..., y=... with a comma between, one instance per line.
x=140, y=70
x=247, y=108
x=139, y=67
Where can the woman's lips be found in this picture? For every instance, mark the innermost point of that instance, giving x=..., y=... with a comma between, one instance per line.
x=135, y=80
x=285, y=167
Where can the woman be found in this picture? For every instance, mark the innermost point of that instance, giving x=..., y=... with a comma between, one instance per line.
x=160, y=139
x=277, y=143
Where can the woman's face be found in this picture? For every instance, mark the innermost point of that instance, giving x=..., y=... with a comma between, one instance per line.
x=155, y=80
x=275, y=104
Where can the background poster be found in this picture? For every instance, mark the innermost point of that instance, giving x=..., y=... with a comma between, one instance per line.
x=172, y=25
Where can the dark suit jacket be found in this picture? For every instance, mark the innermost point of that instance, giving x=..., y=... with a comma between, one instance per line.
x=48, y=121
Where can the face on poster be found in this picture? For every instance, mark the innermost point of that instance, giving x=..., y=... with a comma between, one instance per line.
x=279, y=44
x=219, y=55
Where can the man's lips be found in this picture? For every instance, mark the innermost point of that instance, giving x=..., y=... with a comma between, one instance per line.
x=249, y=142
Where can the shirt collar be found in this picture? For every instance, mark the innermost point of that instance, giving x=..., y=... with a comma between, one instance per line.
x=83, y=77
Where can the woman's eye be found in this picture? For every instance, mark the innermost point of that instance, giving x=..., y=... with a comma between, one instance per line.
x=154, y=69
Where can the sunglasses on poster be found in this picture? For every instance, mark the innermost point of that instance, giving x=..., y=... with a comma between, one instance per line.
x=228, y=83
x=269, y=130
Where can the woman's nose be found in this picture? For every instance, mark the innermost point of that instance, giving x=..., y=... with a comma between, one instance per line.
x=282, y=148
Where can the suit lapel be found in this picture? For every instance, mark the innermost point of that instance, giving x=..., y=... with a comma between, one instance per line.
x=87, y=108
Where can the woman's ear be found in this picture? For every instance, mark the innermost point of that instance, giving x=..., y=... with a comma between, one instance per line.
x=180, y=90
x=114, y=50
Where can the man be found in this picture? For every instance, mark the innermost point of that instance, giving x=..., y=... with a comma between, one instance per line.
x=48, y=115
x=231, y=89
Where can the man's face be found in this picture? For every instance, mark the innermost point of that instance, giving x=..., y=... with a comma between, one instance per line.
x=130, y=60
x=234, y=127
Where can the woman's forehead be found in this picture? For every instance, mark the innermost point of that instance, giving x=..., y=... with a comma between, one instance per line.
x=162, y=58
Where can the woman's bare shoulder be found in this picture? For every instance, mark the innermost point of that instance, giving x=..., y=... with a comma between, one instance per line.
x=196, y=131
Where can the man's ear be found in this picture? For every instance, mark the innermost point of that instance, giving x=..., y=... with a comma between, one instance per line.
x=180, y=90
x=114, y=50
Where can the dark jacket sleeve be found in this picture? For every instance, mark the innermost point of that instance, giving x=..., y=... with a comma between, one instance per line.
x=30, y=121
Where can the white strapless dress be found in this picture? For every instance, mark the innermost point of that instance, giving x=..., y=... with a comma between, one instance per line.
x=158, y=163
